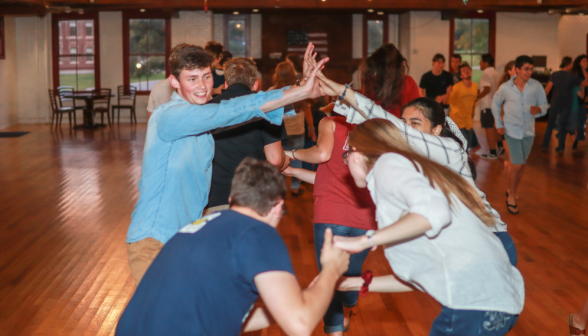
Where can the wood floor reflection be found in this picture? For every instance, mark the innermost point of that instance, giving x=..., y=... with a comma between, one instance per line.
x=66, y=200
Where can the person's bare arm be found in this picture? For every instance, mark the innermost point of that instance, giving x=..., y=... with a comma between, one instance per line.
x=259, y=318
x=324, y=148
x=305, y=175
x=380, y=284
x=309, y=121
x=274, y=154
x=298, y=312
x=406, y=228
x=548, y=88
x=484, y=92
x=423, y=92
x=581, y=93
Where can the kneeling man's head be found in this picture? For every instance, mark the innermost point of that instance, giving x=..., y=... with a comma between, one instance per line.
x=191, y=73
x=258, y=186
x=241, y=70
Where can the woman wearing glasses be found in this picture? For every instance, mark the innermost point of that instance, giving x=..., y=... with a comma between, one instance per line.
x=338, y=204
x=435, y=232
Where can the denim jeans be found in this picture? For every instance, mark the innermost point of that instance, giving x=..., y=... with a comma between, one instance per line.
x=452, y=322
x=509, y=246
x=294, y=142
x=561, y=129
x=334, y=317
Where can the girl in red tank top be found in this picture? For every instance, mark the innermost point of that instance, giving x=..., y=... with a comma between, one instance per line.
x=338, y=204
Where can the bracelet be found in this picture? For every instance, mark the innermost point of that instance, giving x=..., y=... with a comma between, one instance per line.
x=367, y=277
x=293, y=154
x=344, y=91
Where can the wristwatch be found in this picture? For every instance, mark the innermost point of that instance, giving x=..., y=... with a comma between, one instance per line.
x=369, y=234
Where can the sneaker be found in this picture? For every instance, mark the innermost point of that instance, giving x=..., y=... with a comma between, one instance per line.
x=500, y=151
x=299, y=193
x=489, y=156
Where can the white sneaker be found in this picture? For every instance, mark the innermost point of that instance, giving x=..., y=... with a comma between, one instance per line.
x=489, y=156
x=500, y=151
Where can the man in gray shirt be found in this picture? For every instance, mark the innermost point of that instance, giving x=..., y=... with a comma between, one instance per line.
x=523, y=100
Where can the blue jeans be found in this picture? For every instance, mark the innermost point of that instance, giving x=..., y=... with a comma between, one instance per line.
x=294, y=142
x=561, y=129
x=334, y=317
x=509, y=246
x=452, y=322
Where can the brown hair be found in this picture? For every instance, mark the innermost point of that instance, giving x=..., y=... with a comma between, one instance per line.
x=383, y=75
x=240, y=70
x=505, y=76
x=284, y=75
x=214, y=48
x=296, y=61
x=257, y=185
x=379, y=136
x=188, y=57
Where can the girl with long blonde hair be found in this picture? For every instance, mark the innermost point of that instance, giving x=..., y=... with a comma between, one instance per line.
x=435, y=231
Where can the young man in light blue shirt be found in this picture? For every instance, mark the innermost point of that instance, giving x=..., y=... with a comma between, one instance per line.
x=523, y=99
x=177, y=159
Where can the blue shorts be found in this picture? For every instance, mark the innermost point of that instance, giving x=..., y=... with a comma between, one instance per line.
x=519, y=149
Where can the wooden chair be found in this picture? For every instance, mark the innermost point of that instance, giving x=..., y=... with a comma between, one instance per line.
x=68, y=102
x=60, y=111
x=102, y=105
x=126, y=100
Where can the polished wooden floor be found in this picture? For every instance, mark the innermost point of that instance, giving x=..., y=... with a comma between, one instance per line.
x=66, y=201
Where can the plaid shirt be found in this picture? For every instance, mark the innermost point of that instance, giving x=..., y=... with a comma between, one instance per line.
x=442, y=150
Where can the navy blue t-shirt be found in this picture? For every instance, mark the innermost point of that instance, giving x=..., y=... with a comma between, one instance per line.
x=201, y=283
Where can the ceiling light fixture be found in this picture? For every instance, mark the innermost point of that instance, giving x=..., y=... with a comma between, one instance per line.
x=255, y=10
x=370, y=10
x=480, y=11
x=142, y=10
x=235, y=13
x=80, y=11
x=380, y=13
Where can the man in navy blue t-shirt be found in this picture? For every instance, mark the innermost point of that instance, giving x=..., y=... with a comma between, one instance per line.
x=207, y=278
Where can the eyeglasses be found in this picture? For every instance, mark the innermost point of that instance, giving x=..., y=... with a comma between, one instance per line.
x=346, y=156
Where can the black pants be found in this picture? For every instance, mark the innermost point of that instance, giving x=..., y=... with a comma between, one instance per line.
x=561, y=128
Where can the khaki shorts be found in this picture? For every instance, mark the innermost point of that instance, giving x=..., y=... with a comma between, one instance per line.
x=214, y=209
x=141, y=255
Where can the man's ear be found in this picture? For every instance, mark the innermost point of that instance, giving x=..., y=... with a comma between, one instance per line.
x=276, y=210
x=175, y=83
x=437, y=130
x=255, y=85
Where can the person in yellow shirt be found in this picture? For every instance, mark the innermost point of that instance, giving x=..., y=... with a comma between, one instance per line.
x=462, y=100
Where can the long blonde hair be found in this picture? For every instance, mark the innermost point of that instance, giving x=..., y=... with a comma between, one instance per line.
x=379, y=136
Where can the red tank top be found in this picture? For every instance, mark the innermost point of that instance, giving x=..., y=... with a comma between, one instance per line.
x=337, y=200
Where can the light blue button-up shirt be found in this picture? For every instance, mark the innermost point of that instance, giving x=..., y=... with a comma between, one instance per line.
x=177, y=160
x=518, y=120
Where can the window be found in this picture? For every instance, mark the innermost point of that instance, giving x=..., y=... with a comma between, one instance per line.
x=237, y=35
x=73, y=29
x=73, y=51
x=75, y=57
x=375, y=34
x=89, y=51
x=146, y=41
x=2, y=51
x=471, y=38
x=88, y=29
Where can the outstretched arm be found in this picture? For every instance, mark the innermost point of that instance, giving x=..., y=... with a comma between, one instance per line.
x=380, y=284
x=324, y=148
x=307, y=176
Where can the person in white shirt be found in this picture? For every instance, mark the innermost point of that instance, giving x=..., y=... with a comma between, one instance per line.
x=430, y=134
x=488, y=86
x=435, y=231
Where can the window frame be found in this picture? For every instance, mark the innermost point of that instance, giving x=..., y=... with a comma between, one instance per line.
x=55, y=18
x=373, y=17
x=247, y=19
x=2, y=38
x=491, y=16
x=127, y=16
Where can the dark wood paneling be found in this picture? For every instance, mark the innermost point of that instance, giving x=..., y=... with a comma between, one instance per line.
x=275, y=28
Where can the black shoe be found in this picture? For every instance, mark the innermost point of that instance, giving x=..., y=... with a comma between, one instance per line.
x=500, y=151
x=509, y=206
x=299, y=193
